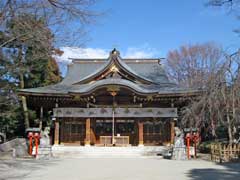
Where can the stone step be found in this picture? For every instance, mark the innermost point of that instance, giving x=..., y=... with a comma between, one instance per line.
x=81, y=151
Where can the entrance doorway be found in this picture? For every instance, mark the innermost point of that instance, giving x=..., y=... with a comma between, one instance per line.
x=123, y=128
x=157, y=132
x=73, y=131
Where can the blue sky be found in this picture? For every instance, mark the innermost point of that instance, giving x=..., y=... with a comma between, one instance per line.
x=152, y=28
x=161, y=25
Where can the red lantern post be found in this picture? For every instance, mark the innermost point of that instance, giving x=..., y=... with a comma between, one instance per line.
x=188, y=137
x=36, y=138
x=30, y=137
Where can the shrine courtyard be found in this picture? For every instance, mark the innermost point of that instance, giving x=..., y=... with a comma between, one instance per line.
x=116, y=169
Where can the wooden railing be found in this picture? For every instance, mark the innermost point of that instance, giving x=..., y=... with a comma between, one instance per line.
x=225, y=152
x=106, y=140
x=122, y=140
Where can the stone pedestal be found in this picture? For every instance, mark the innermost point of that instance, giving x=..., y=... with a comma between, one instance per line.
x=44, y=152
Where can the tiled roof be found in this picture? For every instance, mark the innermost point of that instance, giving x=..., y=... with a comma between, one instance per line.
x=149, y=70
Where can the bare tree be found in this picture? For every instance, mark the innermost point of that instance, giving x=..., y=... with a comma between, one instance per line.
x=230, y=6
x=219, y=104
x=192, y=66
x=217, y=73
x=65, y=18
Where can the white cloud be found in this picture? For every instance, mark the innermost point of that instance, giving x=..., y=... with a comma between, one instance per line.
x=76, y=52
x=89, y=53
x=144, y=52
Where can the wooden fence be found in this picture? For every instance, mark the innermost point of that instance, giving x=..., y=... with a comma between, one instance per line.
x=225, y=152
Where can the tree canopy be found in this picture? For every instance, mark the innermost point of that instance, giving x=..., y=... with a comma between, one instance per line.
x=217, y=74
x=26, y=62
x=29, y=33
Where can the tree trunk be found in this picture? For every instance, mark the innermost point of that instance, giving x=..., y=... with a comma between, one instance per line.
x=229, y=124
x=234, y=109
x=24, y=103
x=230, y=136
x=21, y=80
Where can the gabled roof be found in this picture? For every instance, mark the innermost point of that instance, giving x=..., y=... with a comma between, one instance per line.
x=143, y=76
x=149, y=69
x=115, y=61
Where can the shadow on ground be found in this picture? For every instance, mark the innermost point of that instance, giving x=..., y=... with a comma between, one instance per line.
x=229, y=171
x=18, y=169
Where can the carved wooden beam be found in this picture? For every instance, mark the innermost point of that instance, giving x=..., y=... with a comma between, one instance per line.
x=119, y=112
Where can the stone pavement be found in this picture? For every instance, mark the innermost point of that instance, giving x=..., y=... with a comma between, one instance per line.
x=116, y=169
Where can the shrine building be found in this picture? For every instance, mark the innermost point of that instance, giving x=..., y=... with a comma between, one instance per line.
x=112, y=102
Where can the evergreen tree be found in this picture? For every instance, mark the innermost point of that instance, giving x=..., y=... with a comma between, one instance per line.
x=26, y=62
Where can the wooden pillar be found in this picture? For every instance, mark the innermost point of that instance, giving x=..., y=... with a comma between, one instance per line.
x=88, y=132
x=56, y=133
x=61, y=129
x=140, y=133
x=172, y=125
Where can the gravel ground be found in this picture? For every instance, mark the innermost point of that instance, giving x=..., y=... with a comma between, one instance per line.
x=116, y=169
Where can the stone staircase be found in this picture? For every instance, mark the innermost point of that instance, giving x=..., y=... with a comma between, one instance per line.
x=93, y=151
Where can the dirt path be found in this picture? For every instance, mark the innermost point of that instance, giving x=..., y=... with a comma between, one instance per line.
x=116, y=169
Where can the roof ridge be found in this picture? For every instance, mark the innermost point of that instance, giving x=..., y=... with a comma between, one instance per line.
x=127, y=60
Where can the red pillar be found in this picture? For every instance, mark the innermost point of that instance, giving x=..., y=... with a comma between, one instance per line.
x=172, y=123
x=188, y=145
x=30, y=136
x=195, y=141
x=36, y=139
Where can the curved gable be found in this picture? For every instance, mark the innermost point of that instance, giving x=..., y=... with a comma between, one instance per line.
x=117, y=66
